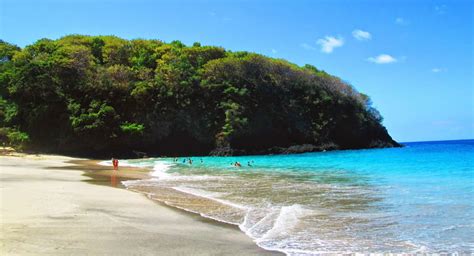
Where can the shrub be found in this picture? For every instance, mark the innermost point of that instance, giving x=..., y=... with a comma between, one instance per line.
x=13, y=137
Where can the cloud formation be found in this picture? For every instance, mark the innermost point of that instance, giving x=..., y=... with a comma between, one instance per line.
x=328, y=43
x=361, y=35
x=401, y=21
x=437, y=70
x=382, y=59
x=440, y=9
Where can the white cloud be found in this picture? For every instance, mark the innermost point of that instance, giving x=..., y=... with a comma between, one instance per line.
x=274, y=51
x=401, y=21
x=307, y=46
x=361, y=35
x=328, y=43
x=382, y=59
x=437, y=70
x=440, y=9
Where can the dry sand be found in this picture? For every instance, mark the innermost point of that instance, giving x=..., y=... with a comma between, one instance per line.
x=46, y=208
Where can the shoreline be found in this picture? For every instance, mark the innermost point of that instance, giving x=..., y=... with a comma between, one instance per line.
x=103, y=175
x=50, y=206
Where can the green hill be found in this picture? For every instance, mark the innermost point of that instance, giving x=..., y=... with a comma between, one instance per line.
x=103, y=95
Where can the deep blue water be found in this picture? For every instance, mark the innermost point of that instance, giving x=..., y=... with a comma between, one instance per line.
x=419, y=198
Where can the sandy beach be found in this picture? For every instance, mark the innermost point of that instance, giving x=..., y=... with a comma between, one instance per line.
x=47, y=207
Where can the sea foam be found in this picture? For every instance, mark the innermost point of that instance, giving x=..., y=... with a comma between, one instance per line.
x=415, y=199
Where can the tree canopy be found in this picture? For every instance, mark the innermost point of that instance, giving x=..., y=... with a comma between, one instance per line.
x=99, y=95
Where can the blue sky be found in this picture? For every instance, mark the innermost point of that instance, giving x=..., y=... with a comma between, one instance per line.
x=414, y=58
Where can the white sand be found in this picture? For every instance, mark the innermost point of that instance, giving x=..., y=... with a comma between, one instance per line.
x=53, y=211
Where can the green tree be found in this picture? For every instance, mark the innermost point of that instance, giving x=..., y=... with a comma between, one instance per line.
x=100, y=94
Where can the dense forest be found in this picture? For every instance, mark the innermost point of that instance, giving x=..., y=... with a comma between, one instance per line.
x=103, y=95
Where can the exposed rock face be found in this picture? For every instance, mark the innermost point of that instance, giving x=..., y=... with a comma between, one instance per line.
x=295, y=149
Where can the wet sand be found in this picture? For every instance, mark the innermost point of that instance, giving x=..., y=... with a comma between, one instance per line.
x=47, y=207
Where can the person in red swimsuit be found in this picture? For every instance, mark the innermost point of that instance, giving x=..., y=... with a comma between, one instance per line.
x=115, y=163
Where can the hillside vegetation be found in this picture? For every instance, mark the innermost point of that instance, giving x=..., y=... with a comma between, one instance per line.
x=102, y=95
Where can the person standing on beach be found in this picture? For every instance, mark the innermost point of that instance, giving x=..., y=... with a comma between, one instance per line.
x=115, y=163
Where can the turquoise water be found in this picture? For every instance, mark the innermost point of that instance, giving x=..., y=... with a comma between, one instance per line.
x=416, y=199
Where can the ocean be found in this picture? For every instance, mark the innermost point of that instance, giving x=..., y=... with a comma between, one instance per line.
x=415, y=199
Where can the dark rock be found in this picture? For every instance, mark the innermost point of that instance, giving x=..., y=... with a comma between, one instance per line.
x=222, y=151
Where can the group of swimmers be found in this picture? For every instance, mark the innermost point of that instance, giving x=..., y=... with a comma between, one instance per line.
x=238, y=164
x=190, y=162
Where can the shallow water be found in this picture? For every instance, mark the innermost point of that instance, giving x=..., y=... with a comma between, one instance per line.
x=416, y=199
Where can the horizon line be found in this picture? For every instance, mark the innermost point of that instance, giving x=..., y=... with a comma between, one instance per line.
x=436, y=140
